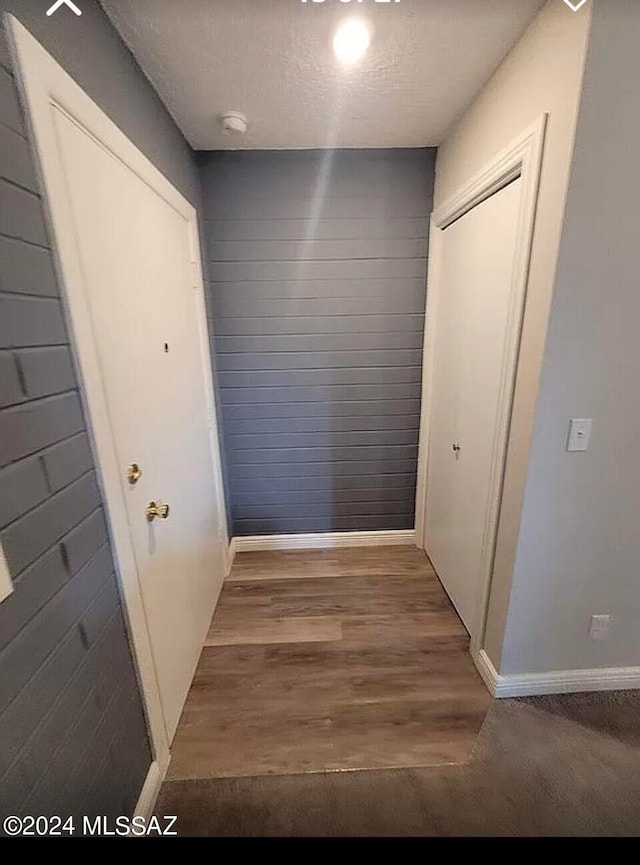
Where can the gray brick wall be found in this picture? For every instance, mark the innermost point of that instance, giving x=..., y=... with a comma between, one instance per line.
x=72, y=732
x=317, y=265
x=92, y=52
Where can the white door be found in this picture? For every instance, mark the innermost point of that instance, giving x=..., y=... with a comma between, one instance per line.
x=470, y=344
x=135, y=252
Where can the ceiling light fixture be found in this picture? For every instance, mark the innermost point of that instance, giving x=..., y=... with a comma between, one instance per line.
x=351, y=41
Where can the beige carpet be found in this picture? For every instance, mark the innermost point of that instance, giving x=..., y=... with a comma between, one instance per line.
x=565, y=765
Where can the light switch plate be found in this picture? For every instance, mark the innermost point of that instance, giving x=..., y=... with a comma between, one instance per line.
x=579, y=434
x=6, y=583
x=600, y=626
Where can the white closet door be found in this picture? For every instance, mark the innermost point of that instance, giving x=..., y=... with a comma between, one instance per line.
x=474, y=296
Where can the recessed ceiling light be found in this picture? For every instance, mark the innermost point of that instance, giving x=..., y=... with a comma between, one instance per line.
x=351, y=41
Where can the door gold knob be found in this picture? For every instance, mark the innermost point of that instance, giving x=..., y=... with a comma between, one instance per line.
x=154, y=510
x=134, y=473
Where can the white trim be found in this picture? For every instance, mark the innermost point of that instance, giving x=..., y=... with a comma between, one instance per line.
x=6, y=583
x=486, y=670
x=44, y=84
x=557, y=681
x=205, y=355
x=150, y=790
x=523, y=158
x=232, y=549
x=428, y=352
x=323, y=540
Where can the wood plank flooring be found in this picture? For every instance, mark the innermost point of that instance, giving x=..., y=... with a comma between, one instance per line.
x=330, y=659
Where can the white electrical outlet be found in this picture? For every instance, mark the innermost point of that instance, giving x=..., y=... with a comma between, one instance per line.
x=600, y=627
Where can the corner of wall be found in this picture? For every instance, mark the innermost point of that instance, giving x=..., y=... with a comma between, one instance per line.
x=542, y=74
x=578, y=546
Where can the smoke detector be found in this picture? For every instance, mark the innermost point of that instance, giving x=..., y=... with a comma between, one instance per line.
x=234, y=123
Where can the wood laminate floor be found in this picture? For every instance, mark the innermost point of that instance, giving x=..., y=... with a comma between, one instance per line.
x=326, y=660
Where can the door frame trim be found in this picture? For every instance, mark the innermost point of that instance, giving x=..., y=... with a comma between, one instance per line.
x=44, y=85
x=522, y=158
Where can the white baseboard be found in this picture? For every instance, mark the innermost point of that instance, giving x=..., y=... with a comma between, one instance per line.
x=556, y=681
x=323, y=540
x=231, y=554
x=486, y=670
x=150, y=790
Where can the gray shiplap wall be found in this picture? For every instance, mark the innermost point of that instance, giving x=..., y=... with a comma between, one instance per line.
x=72, y=732
x=317, y=262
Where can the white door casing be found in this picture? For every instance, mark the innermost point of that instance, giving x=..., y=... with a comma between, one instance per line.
x=521, y=159
x=161, y=566
x=6, y=583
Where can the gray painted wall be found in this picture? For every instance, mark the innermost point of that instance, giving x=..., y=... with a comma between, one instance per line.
x=93, y=53
x=317, y=262
x=542, y=74
x=72, y=732
x=579, y=545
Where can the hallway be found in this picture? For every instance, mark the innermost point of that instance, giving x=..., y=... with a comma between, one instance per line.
x=326, y=660
x=322, y=660
x=317, y=512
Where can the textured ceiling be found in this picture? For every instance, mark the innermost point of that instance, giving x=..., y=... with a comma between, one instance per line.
x=273, y=61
